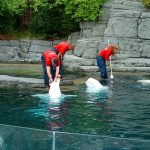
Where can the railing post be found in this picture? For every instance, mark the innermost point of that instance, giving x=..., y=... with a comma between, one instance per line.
x=53, y=142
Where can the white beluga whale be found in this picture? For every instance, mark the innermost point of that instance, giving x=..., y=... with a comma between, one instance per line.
x=54, y=91
x=93, y=85
x=54, y=95
x=144, y=81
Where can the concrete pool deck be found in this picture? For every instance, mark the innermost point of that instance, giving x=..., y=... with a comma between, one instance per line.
x=7, y=80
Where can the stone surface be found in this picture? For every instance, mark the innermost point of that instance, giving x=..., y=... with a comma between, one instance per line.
x=123, y=22
x=6, y=80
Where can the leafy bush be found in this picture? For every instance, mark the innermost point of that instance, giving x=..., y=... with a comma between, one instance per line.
x=146, y=3
x=9, y=9
x=49, y=17
x=6, y=24
x=53, y=22
x=83, y=10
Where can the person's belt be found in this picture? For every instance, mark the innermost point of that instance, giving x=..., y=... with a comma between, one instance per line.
x=55, y=50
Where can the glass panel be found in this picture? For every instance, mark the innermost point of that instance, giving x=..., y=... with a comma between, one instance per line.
x=15, y=138
x=19, y=138
x=93, y=142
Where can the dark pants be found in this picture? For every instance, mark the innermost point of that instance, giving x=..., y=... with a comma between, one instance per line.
x=102, y=67
x=53, y=71
x=61, y=65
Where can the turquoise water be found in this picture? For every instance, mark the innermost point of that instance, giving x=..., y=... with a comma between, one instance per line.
x=121, y=110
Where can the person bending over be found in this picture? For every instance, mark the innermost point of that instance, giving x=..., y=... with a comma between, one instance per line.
x=103, y=58
x=60, y=49
x=51, y=65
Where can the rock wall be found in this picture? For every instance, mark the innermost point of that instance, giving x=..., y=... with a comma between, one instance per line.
x=28, y=50
x=124, y=22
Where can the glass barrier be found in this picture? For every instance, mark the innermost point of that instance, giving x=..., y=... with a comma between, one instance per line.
x=20, y=138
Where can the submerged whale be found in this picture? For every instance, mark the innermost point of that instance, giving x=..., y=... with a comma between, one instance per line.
x=94, y=86
x=93, y=83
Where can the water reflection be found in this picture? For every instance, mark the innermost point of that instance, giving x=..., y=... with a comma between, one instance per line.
x=102, y=94
x=1, y=142
x=53, y=110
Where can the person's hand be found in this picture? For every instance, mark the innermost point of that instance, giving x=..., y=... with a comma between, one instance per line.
x=50, y=81
x=57, y=79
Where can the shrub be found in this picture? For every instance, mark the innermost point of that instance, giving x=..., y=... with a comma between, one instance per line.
x=146, y=3
x=52, y=23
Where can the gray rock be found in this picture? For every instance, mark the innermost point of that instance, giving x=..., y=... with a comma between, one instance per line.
x=144, y=28
x=22, y=82
x=5, y=57
x=4, y=43
x=14, y=43
x=122, y=27
x=146, y=51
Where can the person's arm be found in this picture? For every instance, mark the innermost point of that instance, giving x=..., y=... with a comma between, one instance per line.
x=61, y=56
x=57, y=71
x=49, y=73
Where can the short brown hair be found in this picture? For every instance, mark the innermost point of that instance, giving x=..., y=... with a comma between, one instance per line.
x=113, y=47
x=55, y=61
x=71, y=46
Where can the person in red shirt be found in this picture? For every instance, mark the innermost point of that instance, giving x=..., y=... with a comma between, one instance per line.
x=103, y=58
x=60, y=49
x=51, y=65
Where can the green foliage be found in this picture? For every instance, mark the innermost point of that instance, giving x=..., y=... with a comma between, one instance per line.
x=6, y=24
x=53, y=22
x=9, y=9
x=49, y=17
x=82, y=10
x=146, y=3
x=37, y=4
x=12, y=7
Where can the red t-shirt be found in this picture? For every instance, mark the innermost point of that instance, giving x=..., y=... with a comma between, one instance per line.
x=105, y=53
x=62, y=47
x=48, y=55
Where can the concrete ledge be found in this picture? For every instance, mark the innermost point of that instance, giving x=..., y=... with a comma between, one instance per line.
x=22, y=82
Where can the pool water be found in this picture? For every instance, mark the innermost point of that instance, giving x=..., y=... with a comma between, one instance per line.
x=120, y=110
